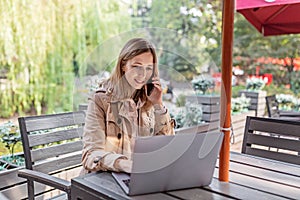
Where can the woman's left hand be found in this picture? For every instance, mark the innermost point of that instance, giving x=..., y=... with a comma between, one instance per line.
x=156, y=95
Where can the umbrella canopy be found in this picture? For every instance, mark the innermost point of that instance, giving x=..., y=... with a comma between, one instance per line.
x=271, y=17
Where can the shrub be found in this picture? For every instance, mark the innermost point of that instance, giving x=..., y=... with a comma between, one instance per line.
x=202, y=84
x=255, y=84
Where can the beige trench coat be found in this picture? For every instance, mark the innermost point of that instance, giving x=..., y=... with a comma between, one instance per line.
x=111, y=125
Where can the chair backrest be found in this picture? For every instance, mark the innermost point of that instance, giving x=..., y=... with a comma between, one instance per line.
x=52, y=142
x=272, y=106
x=272, y=138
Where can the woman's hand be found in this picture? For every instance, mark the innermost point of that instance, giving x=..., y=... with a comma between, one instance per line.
x=123, y=165
x=156, y=95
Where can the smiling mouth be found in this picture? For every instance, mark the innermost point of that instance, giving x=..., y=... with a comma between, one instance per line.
x=139, y=82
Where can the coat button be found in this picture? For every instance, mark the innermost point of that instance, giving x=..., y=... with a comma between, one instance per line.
x=119, y=135
x=97, y=159
x=151, y=130
x=119, y=121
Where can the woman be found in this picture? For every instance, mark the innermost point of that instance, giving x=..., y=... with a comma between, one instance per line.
x=121, y=110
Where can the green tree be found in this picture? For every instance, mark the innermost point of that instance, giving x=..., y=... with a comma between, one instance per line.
x=249, y=45
x=190, y=38
x=43, y=47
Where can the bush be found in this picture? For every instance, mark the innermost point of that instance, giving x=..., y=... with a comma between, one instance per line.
x=255, y=84
x=10, y=137
x=202, y=84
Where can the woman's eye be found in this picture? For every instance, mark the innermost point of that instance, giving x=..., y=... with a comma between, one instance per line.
x=149, y=68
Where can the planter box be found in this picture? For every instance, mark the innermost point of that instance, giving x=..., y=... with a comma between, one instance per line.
x=258, y=101
x=238, y=122
x=210, y=105
x=82, y=106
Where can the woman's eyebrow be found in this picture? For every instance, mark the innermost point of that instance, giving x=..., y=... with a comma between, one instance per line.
x=139, y=63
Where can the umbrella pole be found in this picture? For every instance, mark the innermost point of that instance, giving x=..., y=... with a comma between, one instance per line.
x=225, y=114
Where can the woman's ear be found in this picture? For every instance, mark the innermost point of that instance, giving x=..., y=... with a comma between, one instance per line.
x=124, y=68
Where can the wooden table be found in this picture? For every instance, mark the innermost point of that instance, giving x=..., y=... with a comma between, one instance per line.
x=250, y=177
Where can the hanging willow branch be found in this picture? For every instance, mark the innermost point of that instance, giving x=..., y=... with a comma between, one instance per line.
x=43, y=45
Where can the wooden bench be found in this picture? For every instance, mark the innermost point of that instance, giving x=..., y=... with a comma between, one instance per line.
x=52, y=145
x=272, y=138
x=274, y=112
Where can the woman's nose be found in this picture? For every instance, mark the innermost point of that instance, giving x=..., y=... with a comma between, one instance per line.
x=141, y=71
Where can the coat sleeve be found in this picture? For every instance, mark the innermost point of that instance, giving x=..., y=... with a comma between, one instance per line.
x=94, y=155
x=164, y=125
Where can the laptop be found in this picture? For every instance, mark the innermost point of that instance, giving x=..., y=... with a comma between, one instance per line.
x=163, y=163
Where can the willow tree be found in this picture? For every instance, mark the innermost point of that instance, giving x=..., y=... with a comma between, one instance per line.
x=43, y=46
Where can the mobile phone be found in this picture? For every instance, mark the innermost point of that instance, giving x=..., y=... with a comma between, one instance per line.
x=150, y=87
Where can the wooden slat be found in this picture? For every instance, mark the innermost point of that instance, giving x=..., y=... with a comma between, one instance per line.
x=20, y=191
x=264, y=186
x=196, y=194
x=46, y=138
x=56, y=150
x=259, y=162
x=210, y=117
x=43, y=122
x=295, y=159
x=10, y=177
x=264, y=173
x=238, y=191
x=59, y=163
x=210, y=108
x=275, y=126
x=276, y=142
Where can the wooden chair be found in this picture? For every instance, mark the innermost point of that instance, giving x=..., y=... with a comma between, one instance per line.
x=52, y=145
x=274, y=112
x=272, y=138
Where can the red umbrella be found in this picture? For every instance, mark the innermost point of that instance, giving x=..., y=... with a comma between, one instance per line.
x=271, y=17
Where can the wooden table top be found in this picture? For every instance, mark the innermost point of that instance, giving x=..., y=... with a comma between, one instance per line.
x=249, y=177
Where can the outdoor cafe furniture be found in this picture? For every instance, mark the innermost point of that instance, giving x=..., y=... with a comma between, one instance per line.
x=272, y=138
x=250, y=177
x=274, y=112
x=52, y=147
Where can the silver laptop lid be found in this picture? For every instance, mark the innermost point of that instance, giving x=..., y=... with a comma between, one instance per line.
x=162, y=163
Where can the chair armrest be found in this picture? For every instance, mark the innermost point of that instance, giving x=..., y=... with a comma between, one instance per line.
x=46, y=179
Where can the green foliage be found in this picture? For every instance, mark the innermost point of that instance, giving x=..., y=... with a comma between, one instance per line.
x=201, y=84
x=189, y=115
x=193, y=114
x=10, y=136
x=255, y=84
x=236, y=89
x=44, y=46
x=240, y=104
x=295, y=82
x=180, y=100
x=276, y=89
x=288, y=102
x=191, y=34
x=249, y=45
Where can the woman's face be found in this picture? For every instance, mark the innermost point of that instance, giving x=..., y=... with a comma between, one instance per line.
x=138, y=70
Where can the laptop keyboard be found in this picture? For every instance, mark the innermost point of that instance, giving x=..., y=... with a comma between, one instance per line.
x=126, y=181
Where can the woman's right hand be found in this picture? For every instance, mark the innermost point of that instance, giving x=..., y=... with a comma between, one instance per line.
x=123, y=165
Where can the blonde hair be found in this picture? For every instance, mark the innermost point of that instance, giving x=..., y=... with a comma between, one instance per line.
x=132, y=48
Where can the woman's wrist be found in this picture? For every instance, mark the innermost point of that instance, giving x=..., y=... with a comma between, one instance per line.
x=159, y=109
x=158, y=106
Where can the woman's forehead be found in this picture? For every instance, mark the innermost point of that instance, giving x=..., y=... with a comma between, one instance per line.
x=143, y=59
